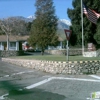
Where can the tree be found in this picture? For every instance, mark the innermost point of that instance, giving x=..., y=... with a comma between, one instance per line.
x=89, y=28
x=1, y=31
x=15, y=25
x=6, y=30
x=97, y=35
x=12, y=26
x=28, y=26
x=43, y=30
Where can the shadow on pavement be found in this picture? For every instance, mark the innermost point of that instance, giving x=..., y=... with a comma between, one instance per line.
x=34, y=94
x=25, y=94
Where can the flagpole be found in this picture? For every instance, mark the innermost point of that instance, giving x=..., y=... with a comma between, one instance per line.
x=82, y=27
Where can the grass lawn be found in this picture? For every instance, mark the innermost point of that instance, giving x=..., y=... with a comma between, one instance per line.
x=57, y=58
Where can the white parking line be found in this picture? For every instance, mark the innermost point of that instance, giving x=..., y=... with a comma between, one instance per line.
x=60, y=78
x=77, y=79
x=6, y=76
x=52, y=78
x=3, y=96
x=95, y=76
x=19, y=73
x=39, y=83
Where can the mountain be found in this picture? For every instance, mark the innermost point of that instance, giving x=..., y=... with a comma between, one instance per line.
x=28, y=19
x=31, y=17
x=62, y=24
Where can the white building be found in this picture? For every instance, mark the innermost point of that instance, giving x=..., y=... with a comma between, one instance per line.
x=15, y=42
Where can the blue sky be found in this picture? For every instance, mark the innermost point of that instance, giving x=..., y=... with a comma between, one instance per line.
x=26, y=8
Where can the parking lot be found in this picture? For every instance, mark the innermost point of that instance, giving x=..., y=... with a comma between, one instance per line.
x=17, y=83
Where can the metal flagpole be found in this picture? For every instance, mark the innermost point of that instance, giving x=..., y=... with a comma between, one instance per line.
x=82, y=26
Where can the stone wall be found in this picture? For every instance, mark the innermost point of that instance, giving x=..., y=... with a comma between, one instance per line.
x=63, y=52
x=92, y=54
x=76, y=67
x=10, y=53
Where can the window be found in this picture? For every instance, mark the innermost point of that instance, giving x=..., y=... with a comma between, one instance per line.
x=12, y=44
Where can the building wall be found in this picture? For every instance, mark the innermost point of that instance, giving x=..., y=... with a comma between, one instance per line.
x=12, y=45
x=2, y=45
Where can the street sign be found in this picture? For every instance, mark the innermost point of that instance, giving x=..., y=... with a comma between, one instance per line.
x=67, y=33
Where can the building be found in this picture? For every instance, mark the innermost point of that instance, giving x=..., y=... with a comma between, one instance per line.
x=15, y=42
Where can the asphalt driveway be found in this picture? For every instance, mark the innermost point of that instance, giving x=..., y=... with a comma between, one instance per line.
x=19, y=83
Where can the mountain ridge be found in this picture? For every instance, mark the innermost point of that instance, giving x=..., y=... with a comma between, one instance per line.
x=62, y=24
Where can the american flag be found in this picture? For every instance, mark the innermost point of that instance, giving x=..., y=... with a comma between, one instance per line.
x=91, y=14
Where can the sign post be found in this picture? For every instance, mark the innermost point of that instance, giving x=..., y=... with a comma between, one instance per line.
x=67, y=50
x=68, y=34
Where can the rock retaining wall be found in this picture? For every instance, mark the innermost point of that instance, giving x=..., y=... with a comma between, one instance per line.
x=11, y=53
x=63, y=52
x=91, y=54
x=76, y=67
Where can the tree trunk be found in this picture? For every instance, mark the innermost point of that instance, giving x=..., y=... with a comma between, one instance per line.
x=42, y=52
x=7, y=42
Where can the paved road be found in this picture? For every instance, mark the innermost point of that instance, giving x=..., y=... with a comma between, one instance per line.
x=19, y=83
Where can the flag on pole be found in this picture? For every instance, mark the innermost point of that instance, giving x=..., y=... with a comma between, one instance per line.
x=91, y=14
